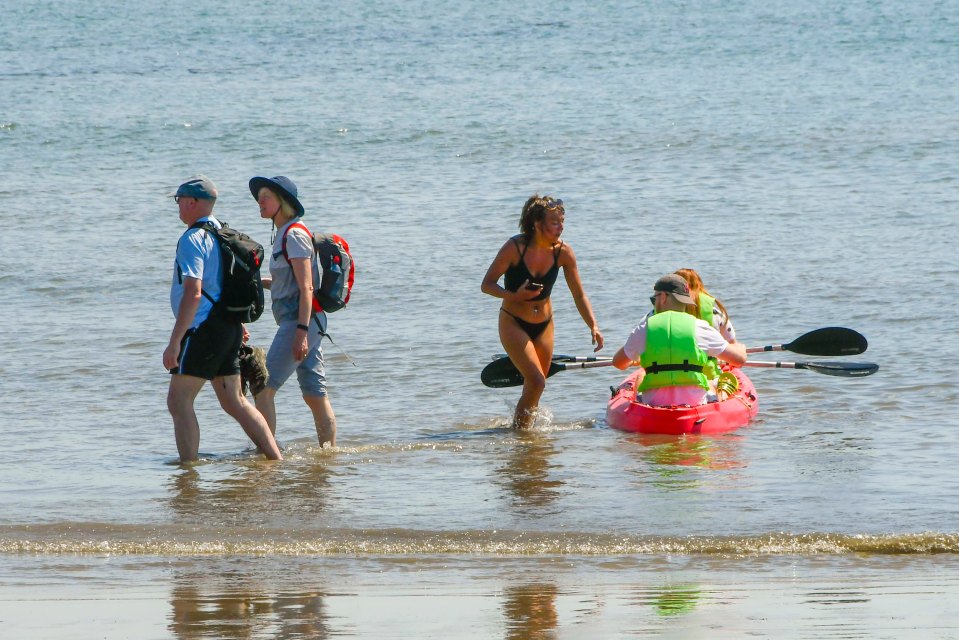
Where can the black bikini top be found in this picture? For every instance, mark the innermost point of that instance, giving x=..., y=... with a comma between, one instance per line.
x=519, y=273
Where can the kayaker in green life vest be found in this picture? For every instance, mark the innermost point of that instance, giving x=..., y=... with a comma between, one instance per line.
x=706, y=307
x=674, y=348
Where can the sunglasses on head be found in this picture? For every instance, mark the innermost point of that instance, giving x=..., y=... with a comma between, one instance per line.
x=552, y=203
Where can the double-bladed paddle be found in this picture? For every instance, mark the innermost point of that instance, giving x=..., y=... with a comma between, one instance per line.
x=828, y=341
x=502, y=373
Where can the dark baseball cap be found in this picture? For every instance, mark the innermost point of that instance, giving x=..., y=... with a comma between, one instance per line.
x=199, y=187
x=674, y=285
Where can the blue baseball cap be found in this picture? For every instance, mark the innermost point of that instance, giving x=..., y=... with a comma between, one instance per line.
x=199, y=187
x=280, y=185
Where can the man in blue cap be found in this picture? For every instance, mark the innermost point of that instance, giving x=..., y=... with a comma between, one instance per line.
x=202, y=345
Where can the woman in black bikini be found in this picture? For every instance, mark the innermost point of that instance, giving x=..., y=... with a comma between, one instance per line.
x=526, y=317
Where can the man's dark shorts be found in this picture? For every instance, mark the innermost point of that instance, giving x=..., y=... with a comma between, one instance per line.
x=211, y=350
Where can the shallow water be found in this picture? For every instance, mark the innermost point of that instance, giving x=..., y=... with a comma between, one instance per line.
x=801, y=158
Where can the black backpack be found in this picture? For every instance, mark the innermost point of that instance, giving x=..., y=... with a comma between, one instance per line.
x=241, y=297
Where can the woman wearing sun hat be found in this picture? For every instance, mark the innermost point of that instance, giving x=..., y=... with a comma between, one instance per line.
x=296, y=346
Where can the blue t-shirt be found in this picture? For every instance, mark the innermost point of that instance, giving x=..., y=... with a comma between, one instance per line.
x=197, y=256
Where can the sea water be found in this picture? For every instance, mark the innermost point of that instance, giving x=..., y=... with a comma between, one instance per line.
x=801, y=157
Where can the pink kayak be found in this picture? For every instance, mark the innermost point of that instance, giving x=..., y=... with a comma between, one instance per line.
x=626, y=414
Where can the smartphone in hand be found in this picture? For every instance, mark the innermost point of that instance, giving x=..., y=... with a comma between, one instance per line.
x=534, y=286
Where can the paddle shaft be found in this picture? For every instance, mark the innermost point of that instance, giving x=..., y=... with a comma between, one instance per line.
x=849, y=369
x=828, y=341
x=844, y=369
x=556, y=367
x=841, y=369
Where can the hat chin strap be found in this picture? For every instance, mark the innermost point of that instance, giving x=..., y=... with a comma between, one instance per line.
x=279, y=208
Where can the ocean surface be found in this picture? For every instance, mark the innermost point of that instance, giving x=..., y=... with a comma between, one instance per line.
x=803, y=157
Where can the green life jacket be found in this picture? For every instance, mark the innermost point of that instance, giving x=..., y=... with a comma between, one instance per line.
x=672, y=358
x=706, y=306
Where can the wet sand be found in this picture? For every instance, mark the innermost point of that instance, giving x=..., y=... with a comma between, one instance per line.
x=822, y=596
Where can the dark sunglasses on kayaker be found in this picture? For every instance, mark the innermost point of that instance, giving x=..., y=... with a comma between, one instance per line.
x=552, y=203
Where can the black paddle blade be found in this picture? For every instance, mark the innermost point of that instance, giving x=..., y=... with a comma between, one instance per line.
x=842, y=369
x=829, y=341
x=503, y=373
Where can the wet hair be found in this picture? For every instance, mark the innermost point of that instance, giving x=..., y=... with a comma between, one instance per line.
x=695, y=288
x=535, y=211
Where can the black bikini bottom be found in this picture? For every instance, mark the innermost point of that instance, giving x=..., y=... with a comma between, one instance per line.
x=532, y=329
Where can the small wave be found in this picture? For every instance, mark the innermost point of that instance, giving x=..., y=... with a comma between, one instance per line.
x=308, y=448
x=392, y=447
x=170, y=541
x=544, y=422
x=503, y=427
x=494, y=427
x=247, y=455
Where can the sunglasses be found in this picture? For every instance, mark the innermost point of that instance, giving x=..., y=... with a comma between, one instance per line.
x=552, y=203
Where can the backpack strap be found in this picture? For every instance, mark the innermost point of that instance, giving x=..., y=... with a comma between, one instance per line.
x=286, y=233
x=324, y=334
x=207, y=226
x=315, y=304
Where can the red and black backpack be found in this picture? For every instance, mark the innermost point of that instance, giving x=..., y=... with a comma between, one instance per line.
x=333, y=269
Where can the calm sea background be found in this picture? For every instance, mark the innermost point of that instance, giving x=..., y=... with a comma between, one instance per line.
x=802, y=157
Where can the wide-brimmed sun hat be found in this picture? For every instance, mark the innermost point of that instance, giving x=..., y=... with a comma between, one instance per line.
x=280, y=184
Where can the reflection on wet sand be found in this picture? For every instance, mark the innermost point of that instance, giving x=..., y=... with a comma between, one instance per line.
x=674, y=600
x=249, y=495
x=530, y=611
x=526, y=471
x=435, y=596
x=246, y=610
